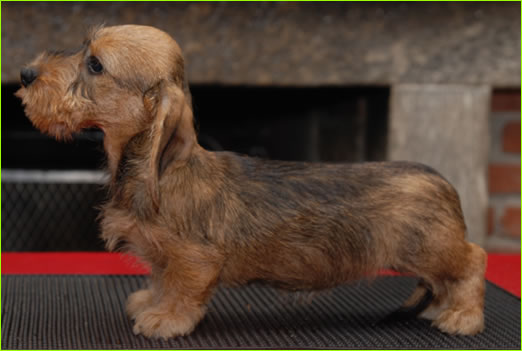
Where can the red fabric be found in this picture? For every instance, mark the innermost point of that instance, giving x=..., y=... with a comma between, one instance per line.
x=503, y=269
x=70, y=263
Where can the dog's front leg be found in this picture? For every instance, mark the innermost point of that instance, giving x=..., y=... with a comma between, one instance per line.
x=176, y=299
x=143, y=299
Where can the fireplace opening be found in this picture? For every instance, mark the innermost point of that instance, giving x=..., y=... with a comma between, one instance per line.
x=305, y=124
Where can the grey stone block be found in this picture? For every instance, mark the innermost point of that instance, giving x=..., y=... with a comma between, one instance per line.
x=446, y=127
x=293, y=43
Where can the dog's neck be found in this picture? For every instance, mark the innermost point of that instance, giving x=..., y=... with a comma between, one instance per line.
x=115, y=142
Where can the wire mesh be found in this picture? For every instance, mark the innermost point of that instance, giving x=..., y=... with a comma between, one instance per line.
x=46, y=214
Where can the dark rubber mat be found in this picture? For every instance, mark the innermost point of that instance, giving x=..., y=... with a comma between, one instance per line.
x=77, y=312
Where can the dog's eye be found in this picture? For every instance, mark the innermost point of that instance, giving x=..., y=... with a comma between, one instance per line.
x=95, y=67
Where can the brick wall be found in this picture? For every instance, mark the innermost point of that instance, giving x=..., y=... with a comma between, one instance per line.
x=503, y=217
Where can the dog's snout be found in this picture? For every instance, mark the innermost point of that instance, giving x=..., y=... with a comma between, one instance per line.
x=27, y=76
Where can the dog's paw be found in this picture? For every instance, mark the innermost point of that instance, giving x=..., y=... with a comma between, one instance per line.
x=464, y=322
x=138, y=302
x=156, y=323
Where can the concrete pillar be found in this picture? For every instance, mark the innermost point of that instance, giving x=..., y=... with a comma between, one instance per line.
x=446, y=127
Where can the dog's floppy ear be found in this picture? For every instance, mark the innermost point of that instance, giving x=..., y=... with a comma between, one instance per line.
x=172, y=135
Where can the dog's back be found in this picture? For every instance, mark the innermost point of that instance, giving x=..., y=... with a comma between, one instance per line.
x=324, y=224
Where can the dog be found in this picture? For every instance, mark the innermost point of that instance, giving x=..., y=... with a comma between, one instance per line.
x=202, y=218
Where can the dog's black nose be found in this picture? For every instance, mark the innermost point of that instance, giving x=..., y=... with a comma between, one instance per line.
x=27, y=76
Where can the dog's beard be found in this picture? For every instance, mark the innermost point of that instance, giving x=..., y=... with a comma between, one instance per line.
x=60, y=132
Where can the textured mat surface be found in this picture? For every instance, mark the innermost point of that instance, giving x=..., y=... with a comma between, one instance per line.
x=76, y=312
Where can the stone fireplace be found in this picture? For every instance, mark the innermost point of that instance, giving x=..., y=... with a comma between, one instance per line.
x=343, y=82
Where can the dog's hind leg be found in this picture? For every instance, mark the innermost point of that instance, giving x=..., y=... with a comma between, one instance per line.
x=461, y=311
x=458, y=292
x=453, y=270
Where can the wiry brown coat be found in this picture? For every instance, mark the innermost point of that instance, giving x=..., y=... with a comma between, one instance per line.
x=200, y=218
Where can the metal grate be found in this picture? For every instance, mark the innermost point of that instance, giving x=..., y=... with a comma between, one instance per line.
x=51, y=211
x=88, y=312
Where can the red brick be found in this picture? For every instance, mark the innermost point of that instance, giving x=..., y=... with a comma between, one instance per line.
x=504, y=178
x=505, y=100
x=491, y=220
x=511, y=137
x=511, y=222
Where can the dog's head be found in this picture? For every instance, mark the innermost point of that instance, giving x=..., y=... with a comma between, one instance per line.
x=101, y=84
x=124, y=80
